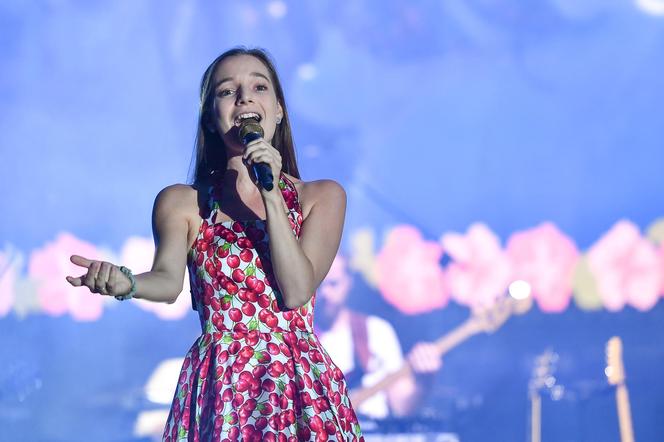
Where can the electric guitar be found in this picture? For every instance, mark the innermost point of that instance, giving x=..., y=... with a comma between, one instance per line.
x=615, y=373
x=542, y=379
x=483, y=320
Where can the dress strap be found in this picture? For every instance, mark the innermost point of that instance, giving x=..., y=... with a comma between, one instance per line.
x=360, y=333
x=292, y=198
x=209, y=204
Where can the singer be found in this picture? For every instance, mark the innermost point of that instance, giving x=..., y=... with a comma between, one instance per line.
x=257, y=242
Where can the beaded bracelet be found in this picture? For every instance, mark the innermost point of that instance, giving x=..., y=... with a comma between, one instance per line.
x=132, y=279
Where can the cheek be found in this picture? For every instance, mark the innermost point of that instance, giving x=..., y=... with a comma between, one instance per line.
x=221, y=116
x=269, y=134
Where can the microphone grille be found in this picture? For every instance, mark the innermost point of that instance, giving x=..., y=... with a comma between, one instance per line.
x=249, y=126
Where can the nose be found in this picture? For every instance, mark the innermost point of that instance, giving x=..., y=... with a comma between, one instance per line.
x=244, y=95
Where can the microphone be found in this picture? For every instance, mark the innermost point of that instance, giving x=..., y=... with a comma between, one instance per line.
x=250, y=130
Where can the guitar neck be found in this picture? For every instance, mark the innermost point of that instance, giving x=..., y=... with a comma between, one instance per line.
x=455, y=337
x=624, y=414
x=535, y=417
x=443, y=344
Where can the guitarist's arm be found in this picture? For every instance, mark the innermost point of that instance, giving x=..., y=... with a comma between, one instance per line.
x=482, y=320
x=386, y=349
x=424, y=360
x=404, y=393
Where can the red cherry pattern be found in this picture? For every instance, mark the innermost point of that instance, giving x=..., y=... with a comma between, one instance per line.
x=257, y=372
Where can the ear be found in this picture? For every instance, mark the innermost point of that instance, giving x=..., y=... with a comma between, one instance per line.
x=280, y=113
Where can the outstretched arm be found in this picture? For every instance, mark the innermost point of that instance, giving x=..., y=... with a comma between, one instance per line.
x=163, y=283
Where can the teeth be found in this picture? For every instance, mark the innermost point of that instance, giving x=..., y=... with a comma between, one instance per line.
x=244, y=116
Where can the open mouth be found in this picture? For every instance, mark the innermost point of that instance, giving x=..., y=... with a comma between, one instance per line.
x=245, y=116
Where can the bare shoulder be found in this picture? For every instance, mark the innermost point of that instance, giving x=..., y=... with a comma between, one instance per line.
x=323, y=189
x=176, y=199
x=176, y=195
x=320, y=192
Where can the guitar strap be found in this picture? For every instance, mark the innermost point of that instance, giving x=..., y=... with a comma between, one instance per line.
x=360, y=336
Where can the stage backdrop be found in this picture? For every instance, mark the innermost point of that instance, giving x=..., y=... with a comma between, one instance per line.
x=480, y=143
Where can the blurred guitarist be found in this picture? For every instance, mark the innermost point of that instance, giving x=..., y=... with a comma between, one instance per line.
x=366, y=349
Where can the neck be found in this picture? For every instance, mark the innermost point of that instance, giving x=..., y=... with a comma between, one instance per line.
x=237, y=175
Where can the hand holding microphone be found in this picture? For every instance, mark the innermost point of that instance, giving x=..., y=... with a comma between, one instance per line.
x=249, y=131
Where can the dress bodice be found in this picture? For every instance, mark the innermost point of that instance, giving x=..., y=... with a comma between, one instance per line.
x=232, y=281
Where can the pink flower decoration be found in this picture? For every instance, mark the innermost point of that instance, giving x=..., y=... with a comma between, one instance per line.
x=137, y=254
x=545, y=258
x=480, y=271
x=409, y=272
x=626, y=267
x=7, y=280
x=49, y=265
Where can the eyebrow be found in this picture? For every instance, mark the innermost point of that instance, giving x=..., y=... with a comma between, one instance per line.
x=253, y=74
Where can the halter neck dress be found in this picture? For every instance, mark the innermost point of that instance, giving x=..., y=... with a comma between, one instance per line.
x=257, y=372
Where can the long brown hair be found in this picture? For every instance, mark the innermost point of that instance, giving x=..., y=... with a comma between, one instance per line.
x=210, y=150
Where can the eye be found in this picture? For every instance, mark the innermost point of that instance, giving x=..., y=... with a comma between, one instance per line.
x=225, y=92
x=261, y=88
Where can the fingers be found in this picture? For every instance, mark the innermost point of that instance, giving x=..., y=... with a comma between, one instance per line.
x=91, y=276
x=98, y=277
x=103, y=278
x=260, y=151
x=118, y=283
x=80, y=261
x=76, y=282
x=424, y=358
x=113, y=279
x=262, y=157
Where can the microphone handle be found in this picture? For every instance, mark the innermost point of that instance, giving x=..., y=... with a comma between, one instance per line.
x=261, y=170
x=264, y=175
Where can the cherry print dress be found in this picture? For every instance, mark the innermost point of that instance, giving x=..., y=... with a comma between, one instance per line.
x=257, y=372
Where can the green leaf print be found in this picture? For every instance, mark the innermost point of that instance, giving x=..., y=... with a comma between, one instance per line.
x=281, y=385
x=228, y=418
x=250, y=270
x=316, y=371
x=182, y=433
x=253, y=324
x=227, y=339
x=279, y=336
